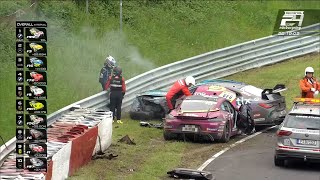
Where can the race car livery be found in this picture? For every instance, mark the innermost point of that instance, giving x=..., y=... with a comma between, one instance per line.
x=268, y=105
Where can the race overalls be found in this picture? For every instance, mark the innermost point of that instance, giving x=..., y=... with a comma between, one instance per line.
x=178, y=89
x=105, y=72
x=305, y=86
x=117, y=91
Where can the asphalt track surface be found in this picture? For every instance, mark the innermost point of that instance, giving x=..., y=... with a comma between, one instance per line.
x=253, y=160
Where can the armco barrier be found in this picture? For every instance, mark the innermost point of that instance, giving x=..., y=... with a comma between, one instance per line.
x=215, y=64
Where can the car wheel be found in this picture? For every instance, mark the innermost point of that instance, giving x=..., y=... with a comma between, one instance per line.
x=226, y=133
x=167, y=135
x=278, y=162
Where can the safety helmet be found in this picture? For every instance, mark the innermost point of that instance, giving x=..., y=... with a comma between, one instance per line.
x=308, y=70
x=110, y=61
x=190, y=81
x=117, y=71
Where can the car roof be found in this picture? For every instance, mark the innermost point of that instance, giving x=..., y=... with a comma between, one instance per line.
x=307, y=109
x=237, y=87
x=224, y=83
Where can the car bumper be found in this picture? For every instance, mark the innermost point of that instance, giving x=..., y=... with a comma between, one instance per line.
x=293, y=155
x=271, y=122
x=272, y=118
x=211, y=134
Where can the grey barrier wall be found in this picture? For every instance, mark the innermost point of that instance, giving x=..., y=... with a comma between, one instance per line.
x=211, y=65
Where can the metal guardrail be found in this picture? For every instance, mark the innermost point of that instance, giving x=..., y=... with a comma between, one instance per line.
x=214, y=64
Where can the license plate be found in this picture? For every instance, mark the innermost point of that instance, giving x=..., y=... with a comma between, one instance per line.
x=307, y=142
x=190, y=128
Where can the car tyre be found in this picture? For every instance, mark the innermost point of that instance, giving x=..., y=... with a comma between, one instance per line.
x=226, y=133
x=278, y=162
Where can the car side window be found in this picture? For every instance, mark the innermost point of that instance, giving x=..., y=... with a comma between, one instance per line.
x=222, y=107
x=225, y=106
x=230, y=108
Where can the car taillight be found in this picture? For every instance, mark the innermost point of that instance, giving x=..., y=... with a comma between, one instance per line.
x=267, y=106
x=283, y=133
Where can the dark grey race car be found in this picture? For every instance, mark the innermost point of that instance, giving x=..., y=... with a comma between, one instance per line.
x=268, y=105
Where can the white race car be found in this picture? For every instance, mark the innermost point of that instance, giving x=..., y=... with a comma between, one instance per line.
x=36, y=119
x=36, y=90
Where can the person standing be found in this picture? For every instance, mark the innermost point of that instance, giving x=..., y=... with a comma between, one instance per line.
x=106, y=70
x=309, y=86
x=117, y=86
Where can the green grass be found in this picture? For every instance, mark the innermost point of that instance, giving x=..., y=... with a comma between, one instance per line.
x=154, y=33
x=150, y=149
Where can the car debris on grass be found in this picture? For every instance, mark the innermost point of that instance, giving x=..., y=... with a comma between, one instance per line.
x=126, y=139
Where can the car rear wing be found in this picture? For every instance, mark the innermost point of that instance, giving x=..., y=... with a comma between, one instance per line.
x=276, y=90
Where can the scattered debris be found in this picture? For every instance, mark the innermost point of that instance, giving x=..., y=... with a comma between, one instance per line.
x=148, y=124
x=183, y=173
x=111, y=156
x=126, y=139
x=103, y=156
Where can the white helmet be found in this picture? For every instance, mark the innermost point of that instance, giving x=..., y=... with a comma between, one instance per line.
x=308, y=69
x=110, y=61
x=190, y=81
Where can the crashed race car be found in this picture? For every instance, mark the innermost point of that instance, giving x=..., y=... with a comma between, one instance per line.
x=208, y=116
x=268, y=105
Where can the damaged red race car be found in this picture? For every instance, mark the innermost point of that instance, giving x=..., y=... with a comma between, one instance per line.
x=213, y=117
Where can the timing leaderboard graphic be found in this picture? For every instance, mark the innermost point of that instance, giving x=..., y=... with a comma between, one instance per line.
x=31, y=95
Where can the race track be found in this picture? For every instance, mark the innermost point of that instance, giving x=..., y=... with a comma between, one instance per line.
x=253, y=160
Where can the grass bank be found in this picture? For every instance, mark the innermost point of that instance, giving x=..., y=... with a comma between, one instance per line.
x=154, y=33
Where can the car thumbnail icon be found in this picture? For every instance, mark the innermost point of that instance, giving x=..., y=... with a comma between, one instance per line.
x=36, y=47
x=36, y=134
x=36, y=76
x=36, y=148
x=36, y=33
x=36, y=119
x=36, y=90
x=36, y=62
x=36, y=105
x=36, y=162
